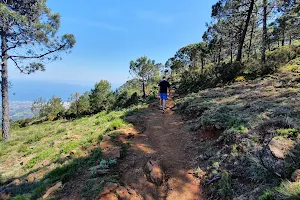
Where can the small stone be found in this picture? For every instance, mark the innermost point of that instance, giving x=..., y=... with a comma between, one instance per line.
x=156, y=175
x=106, y=138
x=218, y=127
x=242, y=197
x=16, y=182
x=111, y=186
x=52, y=189
x=149, y=166
x=73, y=152
x=30, y=178
x=109, y=196
x=104, y=192
x=76, y=136
x=123, y=193
x=296, y=176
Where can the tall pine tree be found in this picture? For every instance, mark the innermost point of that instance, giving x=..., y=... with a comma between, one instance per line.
x=28, y=32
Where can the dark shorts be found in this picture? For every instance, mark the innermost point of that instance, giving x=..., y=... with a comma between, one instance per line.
x=163, y=96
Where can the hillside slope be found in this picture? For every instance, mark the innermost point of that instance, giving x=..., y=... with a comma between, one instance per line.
x=250, y=135
x=240, y=141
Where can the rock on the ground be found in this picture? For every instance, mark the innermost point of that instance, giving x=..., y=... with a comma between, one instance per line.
x=155, y=172
x=73, y=152
x=108, y=188
x=30, y=178
x=106, y=138
x=16, y=182
x=52, y=189
x=274, y=155
x=272, y=163
x=296, y=176
x=112, y=152
x=280, y=147
x=111, y=186
x=109, y=196
x=76, y=136
x=123, y=193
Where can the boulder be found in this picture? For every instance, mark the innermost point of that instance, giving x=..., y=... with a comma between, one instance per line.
x=296, y=176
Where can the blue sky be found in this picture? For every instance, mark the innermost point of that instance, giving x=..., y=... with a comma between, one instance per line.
x=111, y=33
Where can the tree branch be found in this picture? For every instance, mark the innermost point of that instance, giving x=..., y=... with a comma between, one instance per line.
x=21, y=70
x=40, y=56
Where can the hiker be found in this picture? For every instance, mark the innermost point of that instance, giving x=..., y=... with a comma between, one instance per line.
x=164, y=86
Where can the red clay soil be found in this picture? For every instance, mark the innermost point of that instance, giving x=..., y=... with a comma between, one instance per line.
x=164, y=140
x=160, y=138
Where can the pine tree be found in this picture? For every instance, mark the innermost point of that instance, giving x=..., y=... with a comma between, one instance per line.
x=28, y=38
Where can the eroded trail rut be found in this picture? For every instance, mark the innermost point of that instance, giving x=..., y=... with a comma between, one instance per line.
x=162, y=139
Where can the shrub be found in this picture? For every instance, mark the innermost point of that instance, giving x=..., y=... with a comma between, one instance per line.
x=226, y=72
x=240, y=79
x=225, y=185
x=115, y=124
x=293, y=66
x=268, y=195
x=288, y=132
x=289, y=190
x=51, y=118
x=61, y=130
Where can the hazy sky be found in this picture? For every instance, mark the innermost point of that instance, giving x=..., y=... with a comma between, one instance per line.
x=111, y=33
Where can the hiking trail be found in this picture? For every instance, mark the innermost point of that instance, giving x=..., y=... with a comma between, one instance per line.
x=158, y=164
x=165, y=142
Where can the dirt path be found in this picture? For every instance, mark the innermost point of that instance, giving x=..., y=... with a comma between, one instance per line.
x=167, y=142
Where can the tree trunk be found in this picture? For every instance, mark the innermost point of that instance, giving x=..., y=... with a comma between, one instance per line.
x=278, y=43
x=220, y=50
x=283, y=37
x=265, y=31
x=202, y=65
x=144, y=91
x=231, y=52
x=219, y=55
x=290, y=40
x=4, y=89
x=251, y=37
x=243, y=35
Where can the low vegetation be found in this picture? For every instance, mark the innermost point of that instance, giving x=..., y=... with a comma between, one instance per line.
x=40, y=155
x=250, y=116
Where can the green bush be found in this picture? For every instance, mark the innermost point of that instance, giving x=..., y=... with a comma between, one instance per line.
x=115, y=124
x=289, y=190
x=225, y=185
x=288, y=132
x=268, y=195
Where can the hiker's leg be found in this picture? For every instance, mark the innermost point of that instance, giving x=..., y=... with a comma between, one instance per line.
x=161, y=102
x=164, y=104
